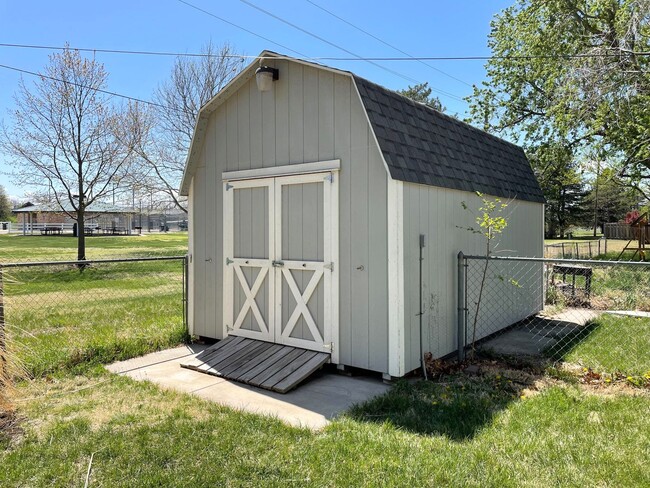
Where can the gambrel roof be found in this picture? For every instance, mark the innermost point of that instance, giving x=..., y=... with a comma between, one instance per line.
x=422, y=145
x=418, y=144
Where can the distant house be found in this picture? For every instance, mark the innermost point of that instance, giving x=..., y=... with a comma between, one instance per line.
x=307, y=202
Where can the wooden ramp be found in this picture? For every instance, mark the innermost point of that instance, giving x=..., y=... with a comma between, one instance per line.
x=258, y=363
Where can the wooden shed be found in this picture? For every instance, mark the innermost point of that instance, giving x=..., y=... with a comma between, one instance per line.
x=306, y=206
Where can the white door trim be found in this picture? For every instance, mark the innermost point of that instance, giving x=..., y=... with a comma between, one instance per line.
x=286, y=170
x=326, y=271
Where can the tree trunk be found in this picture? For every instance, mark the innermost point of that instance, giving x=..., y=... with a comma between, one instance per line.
x=81, y=233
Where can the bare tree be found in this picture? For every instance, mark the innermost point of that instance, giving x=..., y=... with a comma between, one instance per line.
x=192, y=83
x=68, y=139
x=5, y=205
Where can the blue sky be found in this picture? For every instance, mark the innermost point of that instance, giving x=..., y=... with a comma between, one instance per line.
x=436, y=28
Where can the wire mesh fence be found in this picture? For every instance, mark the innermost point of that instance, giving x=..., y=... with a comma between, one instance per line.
x=577, y=249
x=61, y=314
x=587, y=314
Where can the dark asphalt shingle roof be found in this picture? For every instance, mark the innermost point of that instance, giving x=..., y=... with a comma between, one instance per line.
x=422, y=145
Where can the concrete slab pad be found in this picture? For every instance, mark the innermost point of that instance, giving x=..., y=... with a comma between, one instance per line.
x=311, y=405
x=630, y=313
x=540, y=333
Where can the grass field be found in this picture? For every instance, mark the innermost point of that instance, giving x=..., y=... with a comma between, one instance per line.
x=499, y=428
x=59, y=317
x=455, y=433
x=17, y=248
x=611, y=344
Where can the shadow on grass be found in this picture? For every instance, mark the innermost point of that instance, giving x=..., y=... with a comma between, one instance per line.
x=562, y=350
x=457, y=407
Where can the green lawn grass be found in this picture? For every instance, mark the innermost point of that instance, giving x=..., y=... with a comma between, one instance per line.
x=610, y=344
x=59, y=317
x=422, y=434
x=485, y=430
x=18, y=248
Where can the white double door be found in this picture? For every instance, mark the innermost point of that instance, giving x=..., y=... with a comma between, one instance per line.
x=280, y=246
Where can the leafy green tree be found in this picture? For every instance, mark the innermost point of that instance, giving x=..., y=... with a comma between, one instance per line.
x=560, y=178
x=422, y=93
x=5, y=205
x=609, y=200
x=574, y=71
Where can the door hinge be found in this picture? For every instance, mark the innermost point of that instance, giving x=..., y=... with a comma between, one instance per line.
x=229, y=261
x=330, y=178
x=228, y=186
x=329, y=266
x=329, y=346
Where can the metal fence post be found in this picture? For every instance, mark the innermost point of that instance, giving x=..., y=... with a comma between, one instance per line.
x=3, y=338
x=185, y=285
x=462, y=316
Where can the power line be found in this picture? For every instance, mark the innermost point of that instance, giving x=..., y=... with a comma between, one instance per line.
x=356, y=57
x=322, y=39
x=328, y=58
x=385, y=43
x=80, y=85
x=240, y=27
x=124, y=51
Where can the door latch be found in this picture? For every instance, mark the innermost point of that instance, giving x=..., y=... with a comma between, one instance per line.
x=277, y=264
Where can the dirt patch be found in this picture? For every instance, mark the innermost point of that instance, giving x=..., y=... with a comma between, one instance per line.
x=529, y=378
x=100, y=402
x=11, y=431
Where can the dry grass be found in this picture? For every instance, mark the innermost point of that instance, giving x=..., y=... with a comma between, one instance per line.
x=10, y=371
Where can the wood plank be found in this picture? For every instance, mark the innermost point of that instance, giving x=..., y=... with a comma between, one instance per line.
x=296, y=116
x=266, y=363
x=292, y=355
x=224, y=354
x=224, y=360
x=261, y=358
x=302, y=373
x=258, y=363
x=286, y=370
x=213, y=349
x=245, y=358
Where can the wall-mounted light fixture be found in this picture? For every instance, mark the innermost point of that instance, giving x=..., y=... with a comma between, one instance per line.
x=265, y=76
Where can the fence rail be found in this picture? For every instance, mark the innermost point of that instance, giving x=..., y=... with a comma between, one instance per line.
x=66, y=228
x=584, y=313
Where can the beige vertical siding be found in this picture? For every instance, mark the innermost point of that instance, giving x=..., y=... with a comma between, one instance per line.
x=310, y=115
x=438, y=213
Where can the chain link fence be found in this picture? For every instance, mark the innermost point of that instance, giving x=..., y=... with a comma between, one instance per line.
x=56, y=315
x=587, y=314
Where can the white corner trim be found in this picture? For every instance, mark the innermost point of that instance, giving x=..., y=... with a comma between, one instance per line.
x=395, y=215
x=286, y=170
